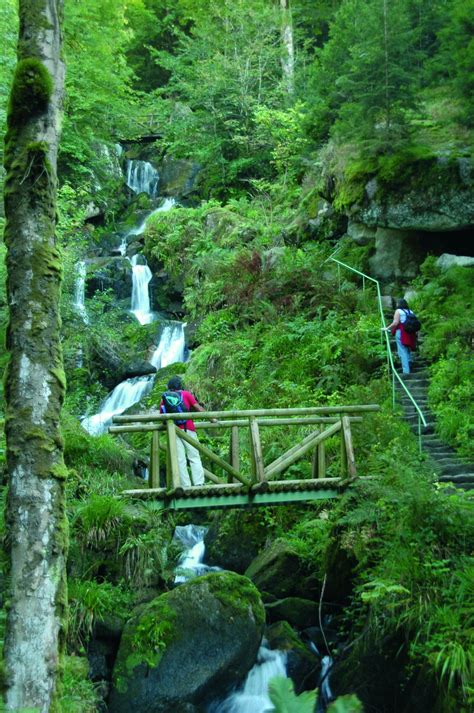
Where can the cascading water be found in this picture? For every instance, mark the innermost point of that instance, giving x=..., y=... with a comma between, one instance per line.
x=139, y=229
x=142, y=177
x=172, y=346
x=124, y=395
x=324, y=688
x=141, y=276
x=253, y=697
x=80, y=291
x=191, y=563
x=129, y=392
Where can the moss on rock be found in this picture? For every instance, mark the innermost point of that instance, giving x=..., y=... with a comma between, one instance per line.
x=188, y=645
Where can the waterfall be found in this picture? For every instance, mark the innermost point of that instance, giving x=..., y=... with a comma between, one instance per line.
x=80, y=291
x=139, y=229
x=171, y=347
x=252, y=696
x=141, y=276
x=142, y=177
x=190, y=563
x=129, y=392
x=124, y=395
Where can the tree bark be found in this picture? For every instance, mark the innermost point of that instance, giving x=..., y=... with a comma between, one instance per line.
x=288, y=48
x=35, y=384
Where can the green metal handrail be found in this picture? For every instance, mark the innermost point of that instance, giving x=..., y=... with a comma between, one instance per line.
x=391, y=365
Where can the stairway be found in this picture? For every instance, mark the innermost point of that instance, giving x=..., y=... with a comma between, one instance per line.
x=448, y=465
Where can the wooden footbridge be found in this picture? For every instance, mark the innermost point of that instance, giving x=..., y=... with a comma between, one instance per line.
x=248, y=478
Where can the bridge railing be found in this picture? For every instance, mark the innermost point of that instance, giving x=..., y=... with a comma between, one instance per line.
x=326, y=420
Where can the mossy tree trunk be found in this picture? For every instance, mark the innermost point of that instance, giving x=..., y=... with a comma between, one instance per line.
x=34, y=384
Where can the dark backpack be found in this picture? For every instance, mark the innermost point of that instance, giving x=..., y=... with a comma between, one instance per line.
x=412, y=324
x=173, y=403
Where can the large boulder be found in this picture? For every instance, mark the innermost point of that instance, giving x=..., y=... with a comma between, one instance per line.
x=278, y=570
x=397, y=254
x=188, y=646
x=445, y=261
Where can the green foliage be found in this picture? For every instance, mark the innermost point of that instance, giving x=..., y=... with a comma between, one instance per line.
x=77, y=692
x=98, y=518
x=444, y=302
x=282, y=695
x=89, y=602
x=345, y=704
x=221, y=73
x=284, y=699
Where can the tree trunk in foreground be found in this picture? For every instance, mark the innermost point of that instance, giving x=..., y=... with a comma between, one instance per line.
x=34, y=388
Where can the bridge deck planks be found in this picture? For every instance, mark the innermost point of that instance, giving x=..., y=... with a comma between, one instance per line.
x=238, y=495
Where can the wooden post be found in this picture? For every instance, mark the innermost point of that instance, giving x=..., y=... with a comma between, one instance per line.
x=173, y=453
x=346, y=428
x=256, y=451
x=169, y=479
x=154, y=475
x=322, y=460
x=234, y=451
x=314, y=461
x=318, y=466
x=343, y=452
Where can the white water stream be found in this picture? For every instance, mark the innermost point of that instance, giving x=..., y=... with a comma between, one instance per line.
x=79, y=302
x=141, y=276
x=141, y=177
x=252, y=695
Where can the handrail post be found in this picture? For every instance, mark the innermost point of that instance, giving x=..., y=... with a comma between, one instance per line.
x=234, y=455
x=173, y=454
x=154, y=476
x=420, y=446
x=258, y=474
x=318, y=469
x=343, y=450
x=350, y=458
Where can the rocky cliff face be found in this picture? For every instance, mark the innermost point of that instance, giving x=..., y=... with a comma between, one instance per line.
x=428, y=206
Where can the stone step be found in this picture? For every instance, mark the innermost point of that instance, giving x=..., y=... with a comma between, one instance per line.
x=458, y=478
x=455, y=468
x=437, y=454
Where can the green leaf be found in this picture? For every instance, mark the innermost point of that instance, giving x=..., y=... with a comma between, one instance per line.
x=284, y=699
x=346, y=704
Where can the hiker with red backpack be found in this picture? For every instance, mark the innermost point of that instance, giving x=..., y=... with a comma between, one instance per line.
x=177, y=400
x=404, y=327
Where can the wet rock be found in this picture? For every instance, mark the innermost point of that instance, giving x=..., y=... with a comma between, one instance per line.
x=446, y=261
x=360, y=233
x=109, y=273
x=138, y=367
x=177, y=176
x=303, y=665
x=297, y=611
x=189, y=645
x=233, y=542
x=278, y=570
